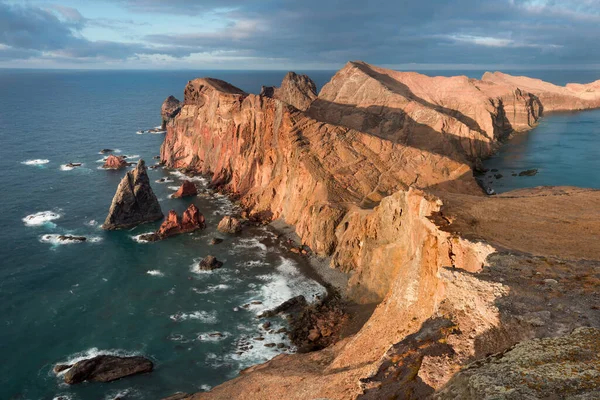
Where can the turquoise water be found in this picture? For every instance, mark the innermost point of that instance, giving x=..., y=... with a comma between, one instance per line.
x=564, y=148
x=61, y=302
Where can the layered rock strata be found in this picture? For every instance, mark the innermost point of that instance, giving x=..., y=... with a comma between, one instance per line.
x=169, y=110
x=134, y=202
x=375, y=174
x=296, y=90
x=104, y=368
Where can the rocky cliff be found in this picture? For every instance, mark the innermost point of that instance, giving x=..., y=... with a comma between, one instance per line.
x=376, y=173
x=296, y=90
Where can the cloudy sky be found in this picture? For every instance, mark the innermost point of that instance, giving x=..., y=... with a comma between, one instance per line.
x=305, y=34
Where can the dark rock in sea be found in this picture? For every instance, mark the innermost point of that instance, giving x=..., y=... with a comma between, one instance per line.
x=498, y=176
x=156, y=157
x=215, y=240
x=514, y=174
x=185, y=190
x=107, y=368
x=70, y=238
x=61, y=367
x=134, y=202
x=209, y=263
x=295, y=304
x=266, y=325
x=73, y=165
x=169, y=110
x=270, y=344
x=230, y=225
x=104, y=151
x=115, y=162
x=280, y=345
x=529, y=172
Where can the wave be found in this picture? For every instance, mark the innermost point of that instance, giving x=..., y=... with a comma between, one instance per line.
x=173, y=187
x=155, y=272
x=213, y=336
x=129, y=157
x=288, y=282
x=181, y=176
x=138, y=238
x=39, y=161
x=211, y=288
x=204, y=316
x=41, y=218
x=91, y=222
x=164, y=180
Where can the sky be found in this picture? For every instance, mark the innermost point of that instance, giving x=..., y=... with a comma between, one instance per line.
x=299, y=34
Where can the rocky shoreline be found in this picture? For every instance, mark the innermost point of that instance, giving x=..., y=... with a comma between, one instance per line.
x=375, y=175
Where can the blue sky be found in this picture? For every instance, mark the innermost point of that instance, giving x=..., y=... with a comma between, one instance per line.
x=292, y=34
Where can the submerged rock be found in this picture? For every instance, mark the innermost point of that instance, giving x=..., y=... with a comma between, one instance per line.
x=209, y=263
x=230, y=225
x=215, y=241
x=529, y=172
x=106, y=368
x=186, y=189
x=134, y=202
x=104, y=151
x=192, y=220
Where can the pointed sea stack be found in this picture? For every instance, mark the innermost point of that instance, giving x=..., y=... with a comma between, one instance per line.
x=134, y=202
x=192, y=220
x=169, y=110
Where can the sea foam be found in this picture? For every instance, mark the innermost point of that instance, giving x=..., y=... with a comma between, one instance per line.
x=37, y=162
x=41, y=218
x=204, y=316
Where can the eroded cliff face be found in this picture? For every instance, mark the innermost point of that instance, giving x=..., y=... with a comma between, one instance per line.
x=356, y=175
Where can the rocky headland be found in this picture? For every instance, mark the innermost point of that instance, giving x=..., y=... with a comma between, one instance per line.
x=376, y=175
x=134, y=202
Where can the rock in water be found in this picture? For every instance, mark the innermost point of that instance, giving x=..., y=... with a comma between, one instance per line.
x=114, y=162
x=186, y=189
x=169, y=110
x=209, y=263
x=107, y=368
x=192, y=220
x=230, y=225
x=134, y=202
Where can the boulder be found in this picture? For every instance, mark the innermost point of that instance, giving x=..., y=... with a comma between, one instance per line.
x=169, y=110
x=106, y=368
x=104, y=151
x=134, y=202
x=215, y=241
x=230, y=225
x=186, y=189
x=115, y=162
x=191, y=220
x=295, y=304
x=58, y=368
x=209, y=263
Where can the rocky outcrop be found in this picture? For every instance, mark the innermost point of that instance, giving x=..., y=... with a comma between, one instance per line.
x=377, y=175
x=134, y=202
x=115, y=162
x=192, y=220
x=186, y=189
x=105, y=368
x=169, y=110
x=562, y=367
x=209, y=263
x=230, y=224
x=296, y=90
x=572, y=97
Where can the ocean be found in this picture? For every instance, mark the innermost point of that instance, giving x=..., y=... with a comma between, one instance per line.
x=115, y=295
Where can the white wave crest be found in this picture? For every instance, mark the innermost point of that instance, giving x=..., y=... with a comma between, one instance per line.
x=204, y=316
x=211, y=288
x=41, y=218
x=155, y=272
x=38, y=161
x=138, y=238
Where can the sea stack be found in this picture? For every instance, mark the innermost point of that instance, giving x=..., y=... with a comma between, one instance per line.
x=134, y=202
x=192, y=220
x=115, y=162
x=185, y=190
